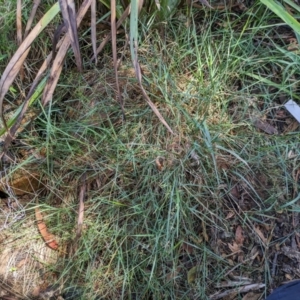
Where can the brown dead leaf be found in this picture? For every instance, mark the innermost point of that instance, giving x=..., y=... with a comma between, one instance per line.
x=292, y=126
x=159, y=161
x=36, y=291
x=293, y=46
x=173, y=274
x=187, y=248
x=260, y=234
x=268, y=227
x=25, y=184
x=265, y=126
x=230, y=215
x=48, y=237
x=234, y=247
x=239, y=237
x=204, y=233
x=192, y=273
x=22, y=183
x=234, y=192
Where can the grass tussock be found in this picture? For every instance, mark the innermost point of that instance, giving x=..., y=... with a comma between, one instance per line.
x=163, y=212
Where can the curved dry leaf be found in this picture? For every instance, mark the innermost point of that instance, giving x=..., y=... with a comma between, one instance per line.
x=260, y=234
x=204, y=233
x=230, y=215
x=48, y=237
x=159, y=161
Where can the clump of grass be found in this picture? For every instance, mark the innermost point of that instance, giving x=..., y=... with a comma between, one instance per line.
x=146, y=227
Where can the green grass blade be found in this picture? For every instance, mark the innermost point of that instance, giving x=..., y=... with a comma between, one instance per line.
x=134, y=30
x=281, y=12
x=292, y=4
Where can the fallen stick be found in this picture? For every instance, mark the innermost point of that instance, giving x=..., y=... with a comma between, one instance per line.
x=243, y=289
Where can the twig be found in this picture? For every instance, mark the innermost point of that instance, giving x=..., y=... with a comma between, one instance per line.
x=274, y=264
x=233, y=283
x=242, y=289
x=81, y=209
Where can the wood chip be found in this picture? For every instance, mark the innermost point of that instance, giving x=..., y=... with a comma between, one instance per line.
x=265, y=126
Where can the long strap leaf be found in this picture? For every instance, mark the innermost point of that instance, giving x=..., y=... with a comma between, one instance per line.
x=281, y=12
x=17, y=60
